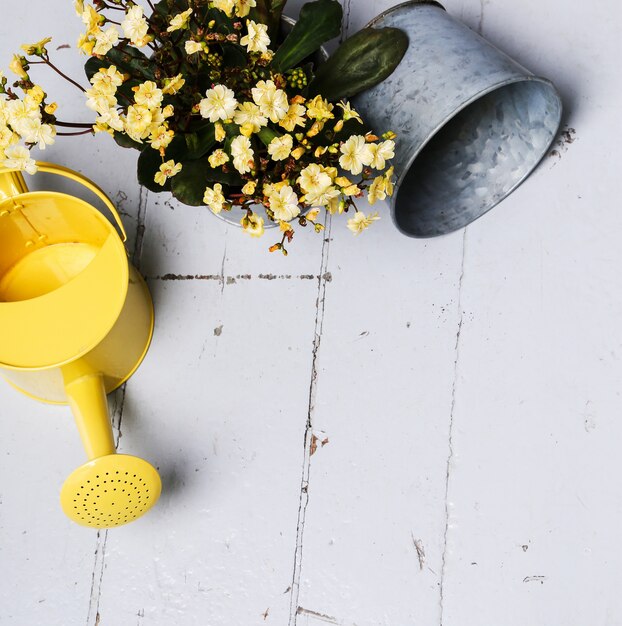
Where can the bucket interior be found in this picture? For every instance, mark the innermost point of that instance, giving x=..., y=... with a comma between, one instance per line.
x=477, y=158
x=46, y=240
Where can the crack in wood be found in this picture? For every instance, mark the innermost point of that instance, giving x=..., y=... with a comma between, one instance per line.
x=450, y=430
x=143, y=195
x=317, y=615
x=308, y=434
x=232, y=280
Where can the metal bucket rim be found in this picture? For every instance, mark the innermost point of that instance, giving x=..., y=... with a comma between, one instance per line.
x=402, y=5
x=480, y=94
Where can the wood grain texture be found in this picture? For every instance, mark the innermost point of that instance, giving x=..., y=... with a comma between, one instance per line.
x=375, y=431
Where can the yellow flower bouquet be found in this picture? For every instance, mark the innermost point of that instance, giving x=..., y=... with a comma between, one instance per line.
x=226, y=108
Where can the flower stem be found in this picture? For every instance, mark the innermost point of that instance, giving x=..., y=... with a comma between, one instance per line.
x=73, y=82
x=72, y=124
x=81, y=132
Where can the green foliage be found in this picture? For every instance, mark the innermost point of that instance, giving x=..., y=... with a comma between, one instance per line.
x=125, y=141
x=362, y=61
x=149, y=163
x=127, y=59
x=189, y=185
x=319, y=22
x=199, y=142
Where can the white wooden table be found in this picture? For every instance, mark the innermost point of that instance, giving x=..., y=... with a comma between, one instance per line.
x=462, y=394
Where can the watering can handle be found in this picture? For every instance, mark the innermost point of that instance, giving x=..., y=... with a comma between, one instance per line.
x=52, y=168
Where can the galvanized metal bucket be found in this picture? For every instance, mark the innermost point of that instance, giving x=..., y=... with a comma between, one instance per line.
x=472, y=124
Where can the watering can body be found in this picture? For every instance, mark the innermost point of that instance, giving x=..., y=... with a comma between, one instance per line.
x=76, y=320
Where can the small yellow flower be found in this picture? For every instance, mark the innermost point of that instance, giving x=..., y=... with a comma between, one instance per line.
x=313, y=179
x=217, y=158
x=99, y=101
x=298, y=152
x=284, y=203
x=249, y=188
x=36, y=48
x=214, y=198
x=92, y=20
x=249, y=114
x=161, y=137
x=257, y=39
x=219, y=132
x=381, y=153
x=86, y=44
x=193, y=46
x=111, y=119
x=312, y=214
x=167, y=170
x=253, y=225
x=147, y=94
x=348, y=112
x=173, y=85
x=139, y=118
x=315, y=129
x=331, y=171
x=377, y=190
x=294, y=117
x=18, y=158
x=242, y=154
x=360, y=221
x=36, y=93
x=226, y=6
x=105, y=40
x=106, y=80
x=271, y=101
x=319, y=109
x=355, y=153
x=280, y=147
x=243, y=7
x=219, y=103
x=322, y=197
x=388, y=181
x=179, y=21
x=351, y=190
x=135, y=26
x=17, y=66
x=50, y=109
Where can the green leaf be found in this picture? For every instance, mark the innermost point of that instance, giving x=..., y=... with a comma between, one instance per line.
x=362, y=61
x=149, y=163
x=319, y=21
x=200, y=142
x=266, y=135
x=127, y=142
x=93, y=65
x=233, y=56
x=189, y=185
x=128, y=60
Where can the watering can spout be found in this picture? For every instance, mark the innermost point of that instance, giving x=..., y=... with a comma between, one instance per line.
x=11, y=184
x=75, y=322
x=86, y=394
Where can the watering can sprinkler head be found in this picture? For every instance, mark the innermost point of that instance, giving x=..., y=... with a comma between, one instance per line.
x=75, y=323
x=110, y=491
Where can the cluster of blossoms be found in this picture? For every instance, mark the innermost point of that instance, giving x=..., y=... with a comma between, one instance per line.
x=24, y=121
x=268, y=142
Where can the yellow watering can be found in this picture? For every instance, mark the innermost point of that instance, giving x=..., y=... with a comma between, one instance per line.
x=76, y=321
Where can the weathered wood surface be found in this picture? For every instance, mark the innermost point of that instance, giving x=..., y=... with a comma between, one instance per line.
x=375, y=431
